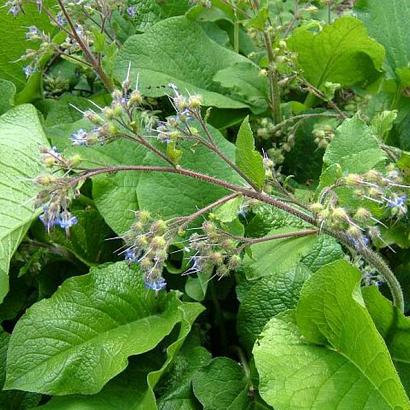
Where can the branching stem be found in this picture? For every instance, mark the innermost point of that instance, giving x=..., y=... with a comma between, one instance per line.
x=370, y=256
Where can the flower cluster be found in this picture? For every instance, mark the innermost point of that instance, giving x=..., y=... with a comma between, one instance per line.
x=124, y=117
x=386, y=191
x=213, y=250
x=34, y=56
x=203, y=3
x=178, y=127
x=16, y=6
x=146, y=243
x=57, y=192
x=323, y=134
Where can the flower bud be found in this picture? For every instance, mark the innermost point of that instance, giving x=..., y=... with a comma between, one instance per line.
x=362, y=215
x=159, y=227
x=353, y=179
x=135, y=98
x=45, y=180
x=316, y=207
x=339, y=214
x=158, y=242
x=194, y=102
x=216, y=258
x=234, y=262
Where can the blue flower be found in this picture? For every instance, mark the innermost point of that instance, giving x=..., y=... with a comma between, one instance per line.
x=360, y=243
x=60, y=19
x=132, y=11
x=32, y=33
x=396, y=201
x=66, y=220
x=196, y=266
x=131, y=255
x=155, y=284
x=79, y=137
x=15, y=7
x=29, y=70
x=49, y=220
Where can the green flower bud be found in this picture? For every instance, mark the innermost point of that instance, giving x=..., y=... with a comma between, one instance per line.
x=158, y=242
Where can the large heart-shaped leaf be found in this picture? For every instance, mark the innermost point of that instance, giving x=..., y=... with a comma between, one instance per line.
x=21, y=137
x=341, y=53
x=328, y=354
x=82, y=336
x=178, y=51
x=268, y=297
x=395, y=35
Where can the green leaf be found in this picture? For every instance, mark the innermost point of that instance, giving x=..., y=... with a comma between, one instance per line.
x=221, y=385
x=21, y=137
x=174, y=389
x=228, y=212
x=88, y=238
x=160, y=56
x=395, y=36
x=245, y=84
x=81, y=337
x=8, y=93
x=266, y=298
x=249, y=161
x=341, y=53
x=196, y=287
x=131, y=390
x=325, y=250
x=354, y=148
x=13, y=400
x=189, y=312
x=276, y=256
x=174, y=195
x=395, y=329
x=329, y=354
x=382, y=123
x=13, y=43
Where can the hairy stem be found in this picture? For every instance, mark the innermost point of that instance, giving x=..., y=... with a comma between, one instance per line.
x=370, y=256
x=273, y=80
x=87, y=52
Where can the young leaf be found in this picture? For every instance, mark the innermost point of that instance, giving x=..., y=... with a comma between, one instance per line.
x=354, y=148
x=189, y=312
x=341, y=53
x=328, y=354
x=249, y=161
x=82, y=336
x=222, y=385
x=160, y=56
x=21, y=137
x=395, y=329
